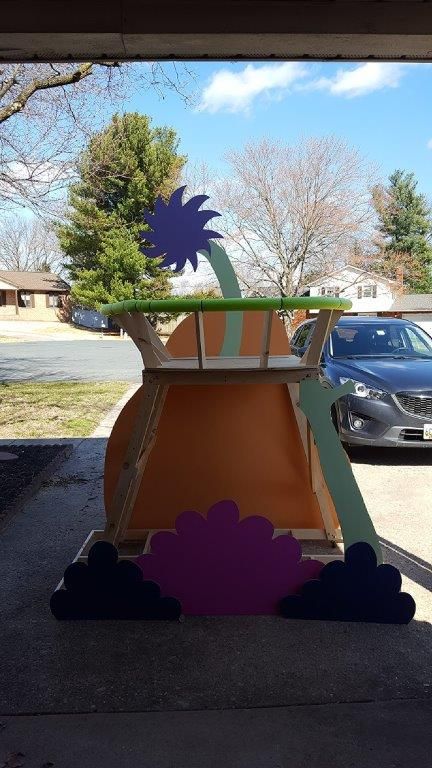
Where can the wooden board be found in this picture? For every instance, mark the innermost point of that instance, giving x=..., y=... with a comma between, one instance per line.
x=240, y=442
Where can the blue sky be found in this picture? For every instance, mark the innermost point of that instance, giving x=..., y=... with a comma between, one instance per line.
x=382, y=109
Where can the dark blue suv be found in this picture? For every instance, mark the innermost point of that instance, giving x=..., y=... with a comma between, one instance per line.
x=390, y=363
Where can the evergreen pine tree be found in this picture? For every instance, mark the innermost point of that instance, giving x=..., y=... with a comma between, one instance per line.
x=405, y=224
x=123, y=169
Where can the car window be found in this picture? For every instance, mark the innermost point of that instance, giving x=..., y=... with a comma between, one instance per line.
x=303, y=334
x=416, y=342
x=382, y=339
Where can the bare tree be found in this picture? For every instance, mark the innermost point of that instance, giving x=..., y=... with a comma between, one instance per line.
x=199, y=179
x=28, y=245
x=48, y=111
x=292, y=211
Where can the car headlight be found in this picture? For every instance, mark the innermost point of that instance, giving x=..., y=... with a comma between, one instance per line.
x=362, y=390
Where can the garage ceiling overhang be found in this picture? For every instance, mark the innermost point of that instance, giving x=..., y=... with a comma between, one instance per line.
x=61, y=30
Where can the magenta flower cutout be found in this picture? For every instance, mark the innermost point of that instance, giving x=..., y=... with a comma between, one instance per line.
x=178, y=230
x=219, y=565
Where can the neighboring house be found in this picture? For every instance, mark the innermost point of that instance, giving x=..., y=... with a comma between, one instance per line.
x=31, y=295
x=369, y=292
x=416, y=307
x=372, y=294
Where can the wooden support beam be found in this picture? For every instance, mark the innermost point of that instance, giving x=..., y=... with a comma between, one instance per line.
x=153, y=354
x=294, y=391
x=266, y=338
x=318, y=487
x=325, y=322
x=138, y=451
x=316, y=478
x=152, y=350
x=200, y=339
x=156, y=341
x=206, y=376
x=314, y=351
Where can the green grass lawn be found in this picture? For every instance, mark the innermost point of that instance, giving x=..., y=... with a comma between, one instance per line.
x=55, y=409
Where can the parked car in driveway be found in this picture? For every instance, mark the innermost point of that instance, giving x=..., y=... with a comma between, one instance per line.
x=390, y=363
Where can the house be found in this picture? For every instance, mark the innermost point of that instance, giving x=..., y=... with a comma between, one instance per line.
x=369, y=292
x=373, y=294
x=31, y=295
x=416, y=307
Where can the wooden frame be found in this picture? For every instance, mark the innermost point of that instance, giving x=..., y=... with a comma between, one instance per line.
x=139, y=542
x=161, y=371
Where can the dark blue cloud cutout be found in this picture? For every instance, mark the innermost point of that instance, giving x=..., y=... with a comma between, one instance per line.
x=355, y=590
x=107, y=588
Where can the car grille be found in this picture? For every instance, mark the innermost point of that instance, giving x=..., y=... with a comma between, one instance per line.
x=417, y=405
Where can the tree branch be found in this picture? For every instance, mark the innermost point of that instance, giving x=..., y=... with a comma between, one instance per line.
x=66, y=78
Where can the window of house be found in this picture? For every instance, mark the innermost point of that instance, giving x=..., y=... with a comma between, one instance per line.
x=331, y=291
x=53, y=300
x=2, y=298
x=370, y=292
x=359, y=292
x=25, y=299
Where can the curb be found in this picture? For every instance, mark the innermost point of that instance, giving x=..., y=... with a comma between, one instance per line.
x=107, y=423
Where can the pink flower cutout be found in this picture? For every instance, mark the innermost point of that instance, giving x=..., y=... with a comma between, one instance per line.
x=219, y=565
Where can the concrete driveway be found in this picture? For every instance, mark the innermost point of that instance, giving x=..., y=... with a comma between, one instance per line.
x=241, y=692
x=102, y=359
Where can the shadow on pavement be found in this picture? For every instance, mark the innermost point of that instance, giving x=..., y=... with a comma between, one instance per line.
x=409, y=565
x=412, y=457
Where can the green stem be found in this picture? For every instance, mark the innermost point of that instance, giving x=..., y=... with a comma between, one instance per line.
x=224, y=271
x=355, y=523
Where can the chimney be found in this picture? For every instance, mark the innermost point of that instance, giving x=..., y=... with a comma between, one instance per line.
x=400, y=279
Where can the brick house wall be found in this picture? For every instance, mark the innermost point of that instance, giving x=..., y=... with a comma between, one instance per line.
x=40, y=310
x=7, y=310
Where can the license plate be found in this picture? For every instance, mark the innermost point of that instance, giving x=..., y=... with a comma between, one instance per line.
x=427, y=431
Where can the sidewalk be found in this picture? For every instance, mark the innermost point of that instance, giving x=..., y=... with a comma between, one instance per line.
x=27, y=330
x=364, y=735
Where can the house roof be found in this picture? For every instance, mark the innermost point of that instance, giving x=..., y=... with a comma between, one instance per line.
x=365, y=272
x=412, y=302
x=34, y=281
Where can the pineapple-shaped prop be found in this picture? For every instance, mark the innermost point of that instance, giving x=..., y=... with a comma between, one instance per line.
x=242, y=441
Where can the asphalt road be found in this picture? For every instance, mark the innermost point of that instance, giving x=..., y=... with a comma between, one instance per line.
x=95, y=360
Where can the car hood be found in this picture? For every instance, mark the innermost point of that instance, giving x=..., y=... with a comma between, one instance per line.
x=389, y=374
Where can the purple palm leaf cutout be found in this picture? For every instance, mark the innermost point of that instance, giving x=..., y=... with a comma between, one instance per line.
x=178, y=231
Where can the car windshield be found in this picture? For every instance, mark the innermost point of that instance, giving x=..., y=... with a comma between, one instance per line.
x=394, y=340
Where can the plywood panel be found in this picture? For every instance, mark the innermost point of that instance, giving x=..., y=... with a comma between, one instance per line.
x=239, y=442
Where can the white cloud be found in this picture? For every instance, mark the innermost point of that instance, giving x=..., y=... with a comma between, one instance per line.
x=361, y=80
x=235, y=91
x=39, y=172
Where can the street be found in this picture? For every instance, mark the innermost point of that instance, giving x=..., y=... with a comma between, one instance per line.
x=89, y=360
